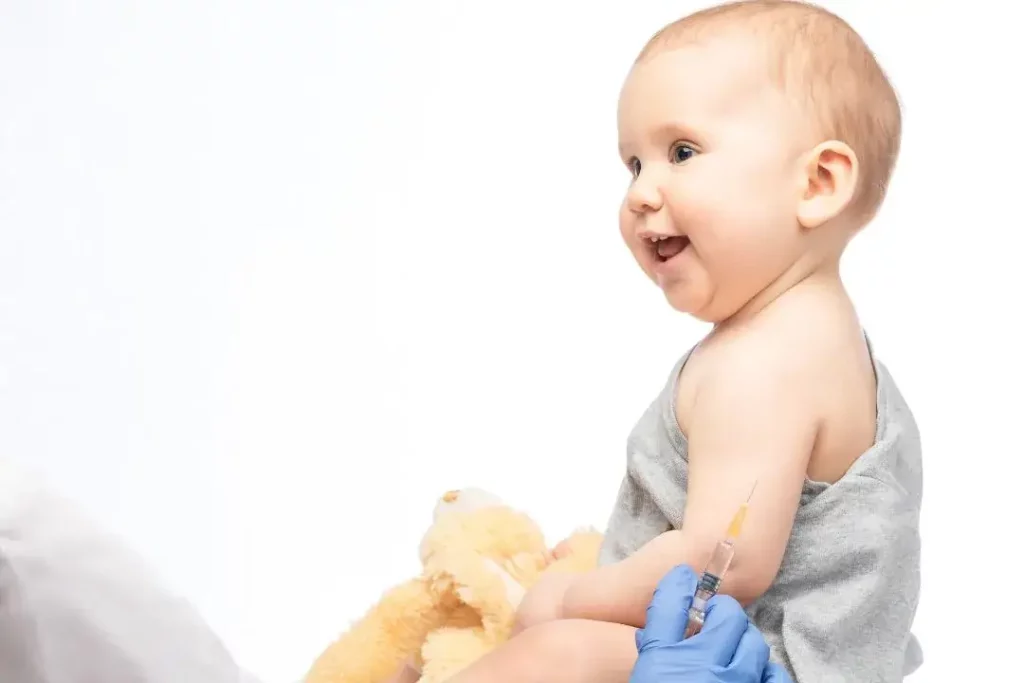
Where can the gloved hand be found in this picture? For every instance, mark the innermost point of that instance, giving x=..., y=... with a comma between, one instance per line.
x=729, y=649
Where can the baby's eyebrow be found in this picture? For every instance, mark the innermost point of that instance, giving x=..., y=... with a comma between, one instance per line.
x=672, y=131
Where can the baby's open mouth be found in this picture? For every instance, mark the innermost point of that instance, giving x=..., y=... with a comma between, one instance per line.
x=665, y=247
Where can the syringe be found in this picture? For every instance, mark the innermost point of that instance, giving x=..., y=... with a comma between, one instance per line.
x=715, y=571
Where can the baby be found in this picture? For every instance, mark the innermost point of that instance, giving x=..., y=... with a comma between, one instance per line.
x=759, y=138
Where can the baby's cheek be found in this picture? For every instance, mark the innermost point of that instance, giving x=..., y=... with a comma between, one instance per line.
x=696, y=210
x=726, y=231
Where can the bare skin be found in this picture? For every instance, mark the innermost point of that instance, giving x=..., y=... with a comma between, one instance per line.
x=407, y=674
x=561, y=651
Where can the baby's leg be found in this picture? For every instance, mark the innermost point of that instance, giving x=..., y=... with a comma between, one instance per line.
x=564, y=651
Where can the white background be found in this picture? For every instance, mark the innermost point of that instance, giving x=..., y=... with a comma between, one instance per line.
x=273, y=276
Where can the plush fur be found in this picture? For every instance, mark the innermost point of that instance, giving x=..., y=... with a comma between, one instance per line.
x=479, y=557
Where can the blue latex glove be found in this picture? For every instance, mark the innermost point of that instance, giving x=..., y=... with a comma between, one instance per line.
x=729, y=649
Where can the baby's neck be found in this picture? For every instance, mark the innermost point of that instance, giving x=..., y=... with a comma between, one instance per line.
x=821, y=277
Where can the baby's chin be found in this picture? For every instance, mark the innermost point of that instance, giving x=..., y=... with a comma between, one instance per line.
x=697, y=298
x=689, y=293
x=687, y=297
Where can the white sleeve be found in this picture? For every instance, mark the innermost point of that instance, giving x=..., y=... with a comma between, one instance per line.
x=77, y=606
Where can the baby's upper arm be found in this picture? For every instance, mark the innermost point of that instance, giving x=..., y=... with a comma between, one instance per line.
x=754, y=418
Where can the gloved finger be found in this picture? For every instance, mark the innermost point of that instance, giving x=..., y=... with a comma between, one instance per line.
x=751, y=655
x=666, y=613
x=725, y=624
x=774, y=673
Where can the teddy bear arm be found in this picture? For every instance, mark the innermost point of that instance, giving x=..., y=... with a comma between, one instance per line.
x=482, y=584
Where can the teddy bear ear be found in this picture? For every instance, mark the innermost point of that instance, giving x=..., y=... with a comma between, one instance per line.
x=464, y=500
x=470, y=498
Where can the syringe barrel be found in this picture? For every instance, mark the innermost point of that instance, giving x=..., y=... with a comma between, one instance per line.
x=721, y=558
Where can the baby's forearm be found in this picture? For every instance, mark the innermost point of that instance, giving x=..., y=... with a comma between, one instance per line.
x=621, y=592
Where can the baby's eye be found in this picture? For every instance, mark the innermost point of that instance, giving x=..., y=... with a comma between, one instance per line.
x=682, y=152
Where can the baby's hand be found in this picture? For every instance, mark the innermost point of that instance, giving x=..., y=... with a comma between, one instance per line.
x=543, y=602
x=562, y=549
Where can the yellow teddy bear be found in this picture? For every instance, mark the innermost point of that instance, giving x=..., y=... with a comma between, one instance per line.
x=479, y=558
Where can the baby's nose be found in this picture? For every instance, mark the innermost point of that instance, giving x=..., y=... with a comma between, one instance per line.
x=644, y=197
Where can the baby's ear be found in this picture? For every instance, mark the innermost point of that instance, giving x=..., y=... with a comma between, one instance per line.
x=828, y=181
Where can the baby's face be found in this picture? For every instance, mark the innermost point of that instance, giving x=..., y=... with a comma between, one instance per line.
x=714, y=153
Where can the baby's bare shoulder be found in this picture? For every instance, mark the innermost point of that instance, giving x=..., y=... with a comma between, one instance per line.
x=810, y=365
x=808, y=349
